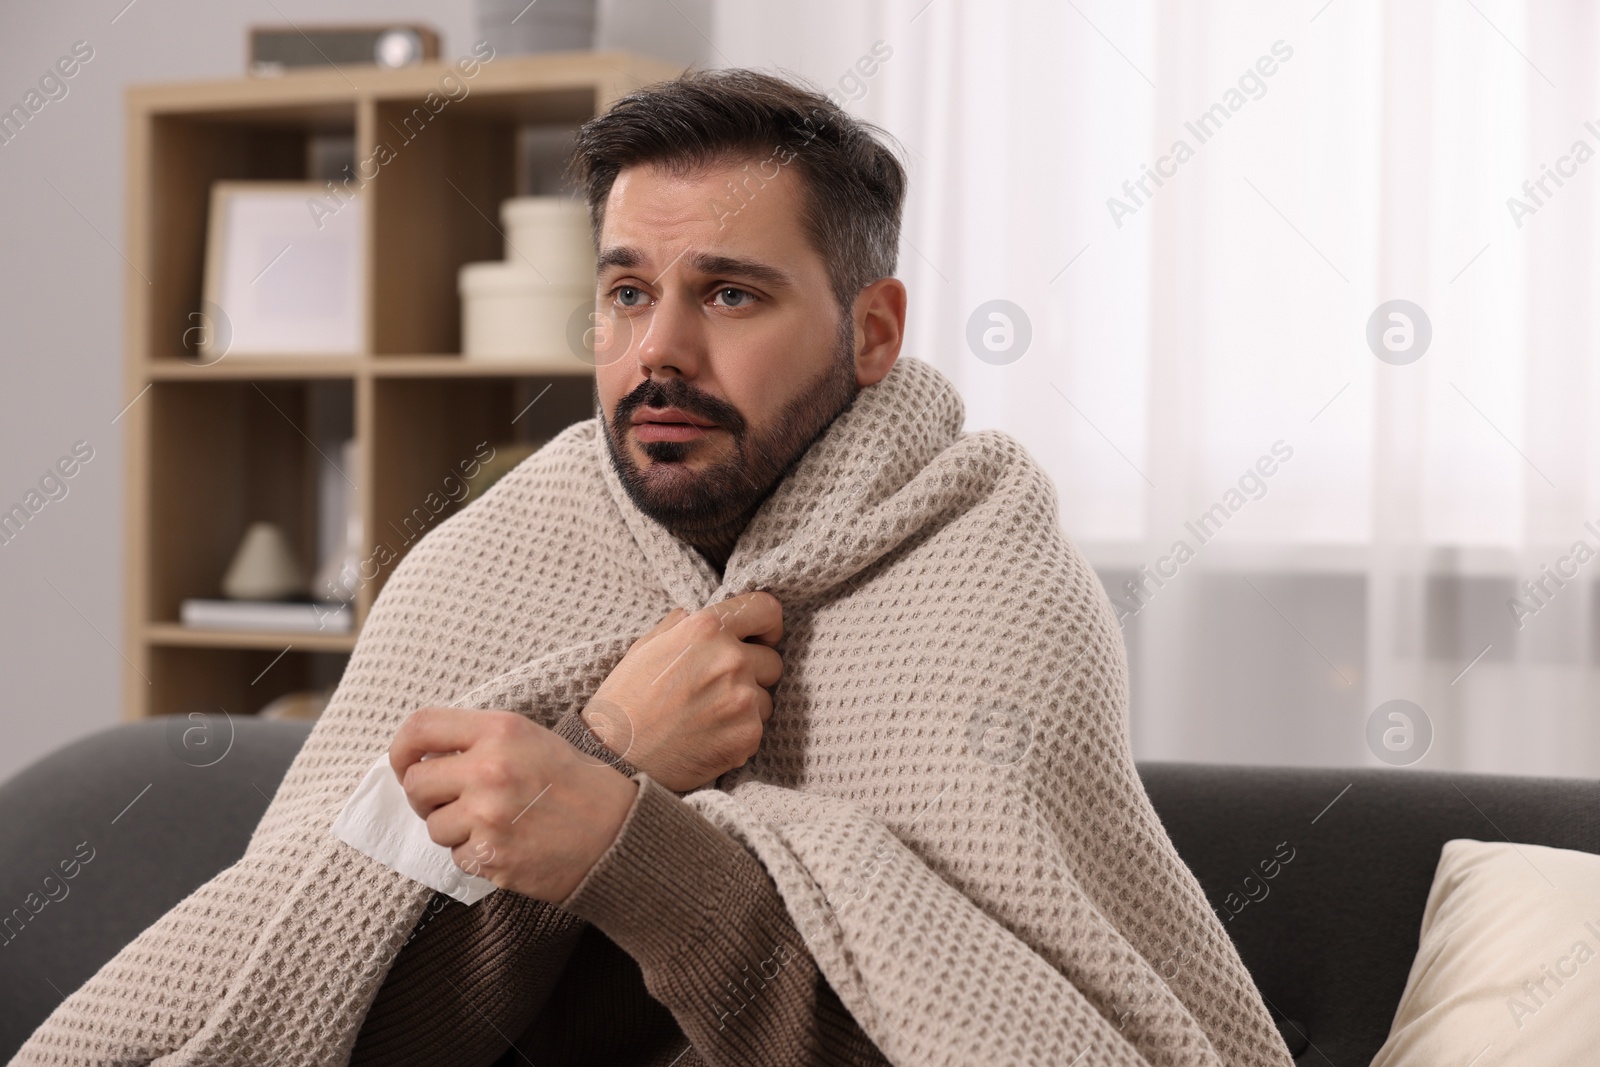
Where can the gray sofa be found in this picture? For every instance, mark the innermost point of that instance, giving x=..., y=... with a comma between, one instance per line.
x=1321, y=875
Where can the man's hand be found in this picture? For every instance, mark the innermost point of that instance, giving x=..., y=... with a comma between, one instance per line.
x=513, y=802
x=689, y=701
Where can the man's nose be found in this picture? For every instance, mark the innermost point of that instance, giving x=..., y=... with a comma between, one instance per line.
x=673, y=341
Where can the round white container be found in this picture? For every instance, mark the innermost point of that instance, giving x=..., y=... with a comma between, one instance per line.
x=550, y=234
x=507, y=313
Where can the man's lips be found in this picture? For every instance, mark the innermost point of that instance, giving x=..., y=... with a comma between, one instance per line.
x=668, y=424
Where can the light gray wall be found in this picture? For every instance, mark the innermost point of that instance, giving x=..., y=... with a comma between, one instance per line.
x=61, y=298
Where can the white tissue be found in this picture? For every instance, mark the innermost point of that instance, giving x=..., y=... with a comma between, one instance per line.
x=378, y=821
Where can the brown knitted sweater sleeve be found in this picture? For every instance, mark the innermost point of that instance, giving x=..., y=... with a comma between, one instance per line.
x=711, y=935
x=574, y=731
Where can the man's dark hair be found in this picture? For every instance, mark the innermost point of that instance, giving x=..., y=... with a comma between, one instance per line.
x=854, y=185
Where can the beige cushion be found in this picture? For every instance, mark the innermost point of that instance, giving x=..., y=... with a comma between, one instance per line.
x=1508, y=967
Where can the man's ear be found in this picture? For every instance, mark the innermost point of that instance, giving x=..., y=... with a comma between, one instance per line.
x=880, y=326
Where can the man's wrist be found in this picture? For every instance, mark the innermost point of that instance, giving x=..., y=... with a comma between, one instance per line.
x=609, y=799
x=602, y=724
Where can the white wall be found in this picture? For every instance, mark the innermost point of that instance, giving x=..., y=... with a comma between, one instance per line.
x=61, y=299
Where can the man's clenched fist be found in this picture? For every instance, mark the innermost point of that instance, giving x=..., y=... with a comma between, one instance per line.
x=689, y=701
x=512, y=801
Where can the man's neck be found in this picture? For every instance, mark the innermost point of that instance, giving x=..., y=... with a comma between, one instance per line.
x=716, y=543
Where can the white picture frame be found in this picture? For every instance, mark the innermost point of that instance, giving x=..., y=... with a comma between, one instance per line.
x=285, y=272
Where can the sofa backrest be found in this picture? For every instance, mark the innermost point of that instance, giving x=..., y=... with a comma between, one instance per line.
x=1330, y=935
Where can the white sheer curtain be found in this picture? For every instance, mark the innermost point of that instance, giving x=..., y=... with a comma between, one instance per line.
x=1202, y=332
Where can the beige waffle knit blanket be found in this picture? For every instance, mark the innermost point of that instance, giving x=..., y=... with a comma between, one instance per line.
x=945, y=796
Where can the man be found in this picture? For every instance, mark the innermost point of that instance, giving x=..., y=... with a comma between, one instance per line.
x=861, y=792
x=712, y=377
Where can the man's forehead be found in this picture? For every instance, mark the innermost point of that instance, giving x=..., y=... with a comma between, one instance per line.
x=711, y=220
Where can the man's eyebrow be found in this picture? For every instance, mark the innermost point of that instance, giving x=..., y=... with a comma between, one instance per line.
x=703, y=262
x=616, y=256
x=764, y=273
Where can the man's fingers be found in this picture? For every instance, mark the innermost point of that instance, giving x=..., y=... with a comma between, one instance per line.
x=765, y=664
x=449, y=826
x=433, y=783
x=755, y=615
x=433, y=730
x=764, y=705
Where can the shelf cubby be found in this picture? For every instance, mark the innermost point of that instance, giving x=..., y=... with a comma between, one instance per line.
x=186, y=153
x=239, y=681
x=224, y=455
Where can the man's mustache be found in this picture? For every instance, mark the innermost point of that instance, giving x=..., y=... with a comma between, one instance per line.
x=678, y=393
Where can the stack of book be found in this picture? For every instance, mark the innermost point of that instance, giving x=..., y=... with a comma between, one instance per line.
x=298, y=617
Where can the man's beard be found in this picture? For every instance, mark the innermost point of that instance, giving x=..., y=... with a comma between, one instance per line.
x=710, y=508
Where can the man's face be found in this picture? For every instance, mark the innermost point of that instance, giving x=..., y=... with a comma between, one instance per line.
x=721, y=352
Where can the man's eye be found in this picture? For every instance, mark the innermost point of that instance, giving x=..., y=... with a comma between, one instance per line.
x=733, y=298
x=629, y=296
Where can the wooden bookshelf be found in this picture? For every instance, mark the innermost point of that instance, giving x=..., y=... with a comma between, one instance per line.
x=214, y=447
